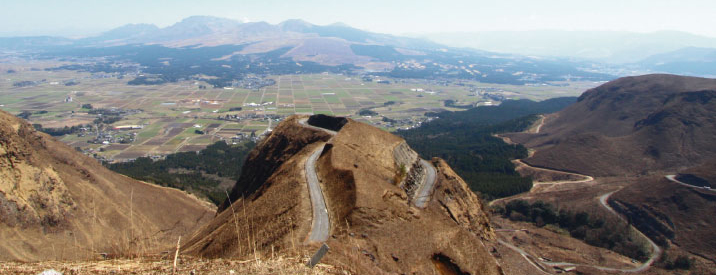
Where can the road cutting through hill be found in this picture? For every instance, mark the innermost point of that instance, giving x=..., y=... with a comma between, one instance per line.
x=320, y=226
x=427, y=184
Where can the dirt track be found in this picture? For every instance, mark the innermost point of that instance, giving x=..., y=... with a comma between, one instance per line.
x=602, y=200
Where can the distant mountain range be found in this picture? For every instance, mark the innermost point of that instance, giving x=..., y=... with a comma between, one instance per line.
x=229, y=50
x=602, y=46
x=212, y=31
x=504, y=57
x=687, y=61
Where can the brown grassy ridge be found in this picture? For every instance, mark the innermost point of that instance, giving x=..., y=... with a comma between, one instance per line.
x=274, y=212
x=375, y=229
x=187, y=265
x=630, y=126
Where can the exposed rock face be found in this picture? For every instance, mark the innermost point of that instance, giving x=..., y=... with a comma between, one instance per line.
x=631, y=126
x=463, y=206
x=410, y=173
x=51, y=195
x=374, y=227
x=29, y=194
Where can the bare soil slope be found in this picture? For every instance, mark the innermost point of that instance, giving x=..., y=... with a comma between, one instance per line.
x=630, y=126
x=56, y=203
x=374, y=227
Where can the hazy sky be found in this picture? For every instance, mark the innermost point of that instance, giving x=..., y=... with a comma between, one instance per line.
x=83, y=17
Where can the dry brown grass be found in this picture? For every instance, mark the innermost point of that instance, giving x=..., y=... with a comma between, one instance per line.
x=630, y=126
x=86, y=209
x=374, y=228
x=156, y=265
x=276, y=216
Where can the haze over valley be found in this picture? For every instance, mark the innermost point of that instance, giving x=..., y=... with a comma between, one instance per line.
x=342, y=138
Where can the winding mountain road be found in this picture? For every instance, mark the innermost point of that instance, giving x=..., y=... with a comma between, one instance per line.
x=321, y=225
x=524, y=255
x=427, y=185
x=541, y=123
x=656, y=250
x=559, y=182
x=304, y=123
x=673, y=179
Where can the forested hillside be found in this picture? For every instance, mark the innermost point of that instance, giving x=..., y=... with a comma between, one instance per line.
x=465, y=140
x=199, y=173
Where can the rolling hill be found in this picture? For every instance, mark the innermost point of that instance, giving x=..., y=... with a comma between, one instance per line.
x=631, y=126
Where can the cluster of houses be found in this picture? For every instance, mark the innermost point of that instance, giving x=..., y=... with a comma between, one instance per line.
x=109, y=137
x=253, y=104
x=253, y=82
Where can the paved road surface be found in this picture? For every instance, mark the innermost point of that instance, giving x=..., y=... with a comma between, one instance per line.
x=304, y=123
x=673, y=178
x=603, y=201
x=320, y=227
x=553, y=183
x=426, y=187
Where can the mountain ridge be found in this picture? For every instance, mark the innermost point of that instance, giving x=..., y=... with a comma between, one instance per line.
x=645, y=124
x=374, y=226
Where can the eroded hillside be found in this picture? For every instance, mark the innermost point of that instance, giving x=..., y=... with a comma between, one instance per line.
x=375, y=225
x=56, y=203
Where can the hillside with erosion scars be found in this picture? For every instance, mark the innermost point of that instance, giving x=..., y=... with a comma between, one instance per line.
x=53, y=196
x=370, y=217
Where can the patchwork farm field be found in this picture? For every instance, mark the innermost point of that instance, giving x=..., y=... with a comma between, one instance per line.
x=189, y=115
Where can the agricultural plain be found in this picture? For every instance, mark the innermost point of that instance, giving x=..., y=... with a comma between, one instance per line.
x=188, y=115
